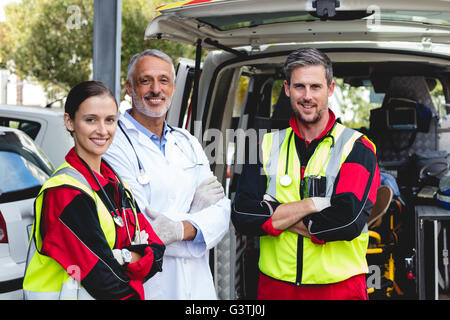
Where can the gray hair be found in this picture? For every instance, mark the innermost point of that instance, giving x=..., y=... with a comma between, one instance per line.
x=148, y=52
x=308, y=57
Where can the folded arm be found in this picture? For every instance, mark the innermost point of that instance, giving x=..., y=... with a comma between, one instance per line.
x=354, y=194
x=343, y=218
x=255, y=213
x=73, y=237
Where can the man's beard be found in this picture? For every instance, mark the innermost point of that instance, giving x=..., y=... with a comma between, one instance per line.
x=145, y=110
x=299, y=116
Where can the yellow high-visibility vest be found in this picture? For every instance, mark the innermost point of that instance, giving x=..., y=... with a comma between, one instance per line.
x=293, y=258
x=45, y=278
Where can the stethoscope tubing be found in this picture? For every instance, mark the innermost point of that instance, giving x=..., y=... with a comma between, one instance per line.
x=141, y=168
x=143, y=178
x=128, y=197
x=286, y=180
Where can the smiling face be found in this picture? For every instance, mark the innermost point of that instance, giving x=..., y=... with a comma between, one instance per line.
x=309, y=92
x=93, y=127
x=151, y=86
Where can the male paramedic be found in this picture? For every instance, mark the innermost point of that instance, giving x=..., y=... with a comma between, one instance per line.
x=310, y=195
x=171, y=180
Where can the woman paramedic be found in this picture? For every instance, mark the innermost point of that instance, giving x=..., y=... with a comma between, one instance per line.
x=90, y=240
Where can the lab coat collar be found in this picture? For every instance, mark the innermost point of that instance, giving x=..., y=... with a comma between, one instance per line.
x=143, y=129
x=131, y=127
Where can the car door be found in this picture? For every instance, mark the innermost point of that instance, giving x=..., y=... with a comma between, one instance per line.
x=176, y=116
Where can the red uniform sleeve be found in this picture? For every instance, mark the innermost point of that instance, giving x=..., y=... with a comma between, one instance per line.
x=73, y=237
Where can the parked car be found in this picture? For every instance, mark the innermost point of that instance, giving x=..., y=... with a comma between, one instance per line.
x=379, y=49
x=23, y=170
x=44, y=125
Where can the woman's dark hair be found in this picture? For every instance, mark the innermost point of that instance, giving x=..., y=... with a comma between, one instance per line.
x=81, y=92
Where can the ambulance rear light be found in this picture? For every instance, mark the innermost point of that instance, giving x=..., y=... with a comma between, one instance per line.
x=3, y=232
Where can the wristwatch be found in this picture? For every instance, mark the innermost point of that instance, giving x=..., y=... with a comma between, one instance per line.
x=126, y=255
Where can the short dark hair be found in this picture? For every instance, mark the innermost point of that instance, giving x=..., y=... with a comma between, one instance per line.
x=83, y=91
x=308, y=57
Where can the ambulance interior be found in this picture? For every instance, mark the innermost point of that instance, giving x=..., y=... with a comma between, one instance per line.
x=410, y=150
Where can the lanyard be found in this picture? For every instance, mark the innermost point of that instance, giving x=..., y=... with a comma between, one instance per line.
x=109, y=204
x=124, y=195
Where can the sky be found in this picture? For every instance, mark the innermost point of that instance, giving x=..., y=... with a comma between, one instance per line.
x=2, y=4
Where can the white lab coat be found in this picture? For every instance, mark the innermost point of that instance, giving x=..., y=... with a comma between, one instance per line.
x=173, y=181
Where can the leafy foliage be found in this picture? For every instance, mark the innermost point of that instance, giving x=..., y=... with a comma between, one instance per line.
x=39, y=45
x=44, y=41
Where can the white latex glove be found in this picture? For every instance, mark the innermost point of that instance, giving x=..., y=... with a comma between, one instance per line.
x=268, y=197
x=118, y=255
x=208, y=193
x=166, y=229
x=141, y=237
x=321, y=202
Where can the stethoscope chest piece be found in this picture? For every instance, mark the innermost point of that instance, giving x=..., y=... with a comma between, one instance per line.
x=118, y=220
x=144, y=178
x=285, y=180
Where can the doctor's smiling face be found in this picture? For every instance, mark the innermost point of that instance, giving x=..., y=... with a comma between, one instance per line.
x=151, y=86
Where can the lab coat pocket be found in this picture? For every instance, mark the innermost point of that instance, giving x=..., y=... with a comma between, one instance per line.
x=186, y=164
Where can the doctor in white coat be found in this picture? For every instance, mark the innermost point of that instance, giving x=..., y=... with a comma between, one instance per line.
x=171, y=180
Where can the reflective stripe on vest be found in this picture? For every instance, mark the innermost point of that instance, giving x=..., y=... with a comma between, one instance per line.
x=295, y=259
x=44, y=277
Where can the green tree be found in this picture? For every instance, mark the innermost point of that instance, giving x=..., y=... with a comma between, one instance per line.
x=356, y=102
x=41, y=46
x=136, y=14
x=3, y=43
x=51, y=41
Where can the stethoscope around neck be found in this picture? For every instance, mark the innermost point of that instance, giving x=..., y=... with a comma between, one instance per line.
x=144, y=177
x=126, y=196
x=286, y=179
